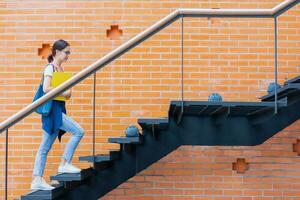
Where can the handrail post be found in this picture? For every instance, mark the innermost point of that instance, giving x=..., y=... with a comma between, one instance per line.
x=182, y=70
x=182, y=62
x=6, y=162
x=94, y=117
x=275, y=61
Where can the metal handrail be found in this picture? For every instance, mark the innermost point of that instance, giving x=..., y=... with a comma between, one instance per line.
x=269, y=13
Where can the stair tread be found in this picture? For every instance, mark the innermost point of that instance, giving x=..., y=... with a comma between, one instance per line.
x=282, y=92
x=85, y=173
x=160, y=123
x=153, y=121
x=57, y=192
x=247, y=110
x=215, y=108
x=293, y=80
x=222, y=103
x=125, y=140
x=101, y=157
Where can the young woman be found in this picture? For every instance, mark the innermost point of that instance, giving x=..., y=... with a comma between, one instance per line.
x=56, y=123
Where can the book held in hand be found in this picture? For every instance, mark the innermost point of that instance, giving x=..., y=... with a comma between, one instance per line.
x=57, y=79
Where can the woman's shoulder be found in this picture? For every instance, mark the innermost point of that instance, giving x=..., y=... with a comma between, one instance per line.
x=49, y=65
x=48, y=70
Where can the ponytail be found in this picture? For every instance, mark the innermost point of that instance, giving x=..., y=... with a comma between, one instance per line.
x=50, y=58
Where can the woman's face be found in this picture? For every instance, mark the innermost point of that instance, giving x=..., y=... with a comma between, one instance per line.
x=63, y=55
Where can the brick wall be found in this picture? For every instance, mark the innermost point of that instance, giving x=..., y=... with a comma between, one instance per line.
x=233, y=57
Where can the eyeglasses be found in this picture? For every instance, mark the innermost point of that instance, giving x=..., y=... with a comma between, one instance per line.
x=67, y=52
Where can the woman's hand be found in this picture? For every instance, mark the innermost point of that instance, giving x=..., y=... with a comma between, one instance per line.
x=67, y=94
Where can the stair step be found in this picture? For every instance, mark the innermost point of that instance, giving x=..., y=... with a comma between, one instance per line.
x=221, y=108
x=85, y=173
x=56, y=193
x=161, y=123
x=282, y=92
x=293, y=80
x=245, y=111
x=125, y=140
x=113, y=155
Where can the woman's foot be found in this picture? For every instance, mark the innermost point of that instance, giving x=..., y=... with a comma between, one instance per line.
x=39, y=183
x=68, y=168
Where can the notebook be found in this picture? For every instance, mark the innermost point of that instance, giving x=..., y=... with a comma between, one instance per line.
x=57, y=79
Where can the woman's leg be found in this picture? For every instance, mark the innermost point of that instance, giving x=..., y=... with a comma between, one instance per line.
x=38, y=183
x=41, y=156
x=69, y=125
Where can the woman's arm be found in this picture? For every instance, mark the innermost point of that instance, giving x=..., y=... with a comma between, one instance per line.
x=47, y=84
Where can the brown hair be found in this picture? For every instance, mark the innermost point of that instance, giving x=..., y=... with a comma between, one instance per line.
x=58, y=45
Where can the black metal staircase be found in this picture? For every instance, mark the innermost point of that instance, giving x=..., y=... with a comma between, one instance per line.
x=197, y=123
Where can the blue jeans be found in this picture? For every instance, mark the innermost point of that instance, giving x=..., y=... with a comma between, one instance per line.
x=69, y=125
